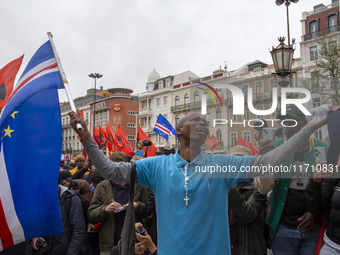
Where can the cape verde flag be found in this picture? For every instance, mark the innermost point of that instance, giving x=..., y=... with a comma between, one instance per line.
x=30, y=152
x=164, y=128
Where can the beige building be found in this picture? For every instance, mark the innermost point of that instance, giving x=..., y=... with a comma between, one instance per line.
x=158, y=100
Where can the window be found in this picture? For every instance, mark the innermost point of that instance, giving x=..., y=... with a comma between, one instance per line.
x=245, y=90
x=131, y=137
x=177, y=102
x=186, y=100
x=232, y=116
x=332, y=47
x=247, y=114
x=219, y=134
x=332, y=20
x=273, y=84
x=158, y=102
x=318, y=134
x=63, y=121
x=165, y=100
x=219, y=91
x=246, y=135
x=132, y=113
x=196, y=97
x=167, y=83
x=313, y=52
x=233, y=139
x=260, y=107
x=87, y=117
x=131, y=125
x=258, y=88
x=313, y=26
x=315, y=78
x=207, y=118
x=316, y=102
x=218, y=113
x=176, y=119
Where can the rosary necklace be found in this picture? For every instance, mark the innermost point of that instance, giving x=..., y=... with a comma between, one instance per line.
x=186, y=180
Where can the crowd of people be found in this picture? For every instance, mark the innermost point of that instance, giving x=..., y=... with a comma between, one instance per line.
x=177, y=212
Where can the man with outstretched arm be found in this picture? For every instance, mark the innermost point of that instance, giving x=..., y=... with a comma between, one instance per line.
x=192, y=212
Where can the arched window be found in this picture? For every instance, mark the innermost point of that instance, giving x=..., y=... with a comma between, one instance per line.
x=186, y=100
x=196, y=97
x=177, y=102
x=233, y=139
x=246, y=135
x=176, y=119
x=219, y=134
x=218, y=113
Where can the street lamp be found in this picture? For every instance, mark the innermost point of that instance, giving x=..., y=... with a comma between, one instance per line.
x=95, y=76
x=282, y=55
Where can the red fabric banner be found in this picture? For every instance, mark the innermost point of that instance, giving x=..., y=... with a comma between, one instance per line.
x=151, y=149
x=7, y=77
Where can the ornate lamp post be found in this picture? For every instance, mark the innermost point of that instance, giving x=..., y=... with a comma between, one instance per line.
x=282, y=55
x=95, y=76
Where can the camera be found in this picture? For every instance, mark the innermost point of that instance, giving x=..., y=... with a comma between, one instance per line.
x=42, y=246
x=73, y=185
x=146, y=142
x=141, y=230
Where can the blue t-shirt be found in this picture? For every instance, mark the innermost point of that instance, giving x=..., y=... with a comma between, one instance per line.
x=201, y=227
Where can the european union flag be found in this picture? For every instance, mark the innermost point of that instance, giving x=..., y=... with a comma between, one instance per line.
x=164, y=128
x=30, y=153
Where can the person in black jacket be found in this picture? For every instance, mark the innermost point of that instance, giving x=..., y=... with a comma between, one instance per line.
x=70, y=241
x=323, y=194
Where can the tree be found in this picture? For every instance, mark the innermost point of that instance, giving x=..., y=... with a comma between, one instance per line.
x=325, y=72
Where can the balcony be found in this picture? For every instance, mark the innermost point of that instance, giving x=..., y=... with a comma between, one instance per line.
x=183, y=107
x=147, y=128
x=322, y=32
x=193, y=105
x=145, y=111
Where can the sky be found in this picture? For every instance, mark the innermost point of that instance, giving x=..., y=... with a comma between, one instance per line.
x=126, y=40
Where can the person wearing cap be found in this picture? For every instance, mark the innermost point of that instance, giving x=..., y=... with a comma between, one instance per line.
x=323, y=192
x=246, y=214
x=192, y=213
x=82, y=169
x=293, y=229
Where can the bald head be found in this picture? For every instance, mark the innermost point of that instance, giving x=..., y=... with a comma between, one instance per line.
x=187, y=117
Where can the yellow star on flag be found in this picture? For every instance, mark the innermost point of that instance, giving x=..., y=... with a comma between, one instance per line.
x=13, y=114
x=8, y=131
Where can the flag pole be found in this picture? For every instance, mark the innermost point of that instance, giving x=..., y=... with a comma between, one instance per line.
x=63, y=77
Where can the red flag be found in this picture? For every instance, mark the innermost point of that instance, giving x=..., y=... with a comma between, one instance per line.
x=96, y=132
x=212, y=142
x=102, y=135
x=110, y=139
x=96, y=140
x=241, y=141
x=7, y=77
x=151, y=149
x=125, y=145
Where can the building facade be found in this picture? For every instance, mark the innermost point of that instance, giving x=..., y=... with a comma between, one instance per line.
x=319, y=27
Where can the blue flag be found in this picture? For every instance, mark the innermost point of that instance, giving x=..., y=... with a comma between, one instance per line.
x=30, y=153
x=164, y=128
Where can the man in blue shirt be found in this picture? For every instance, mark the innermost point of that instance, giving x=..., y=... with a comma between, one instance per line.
x=192, y=209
